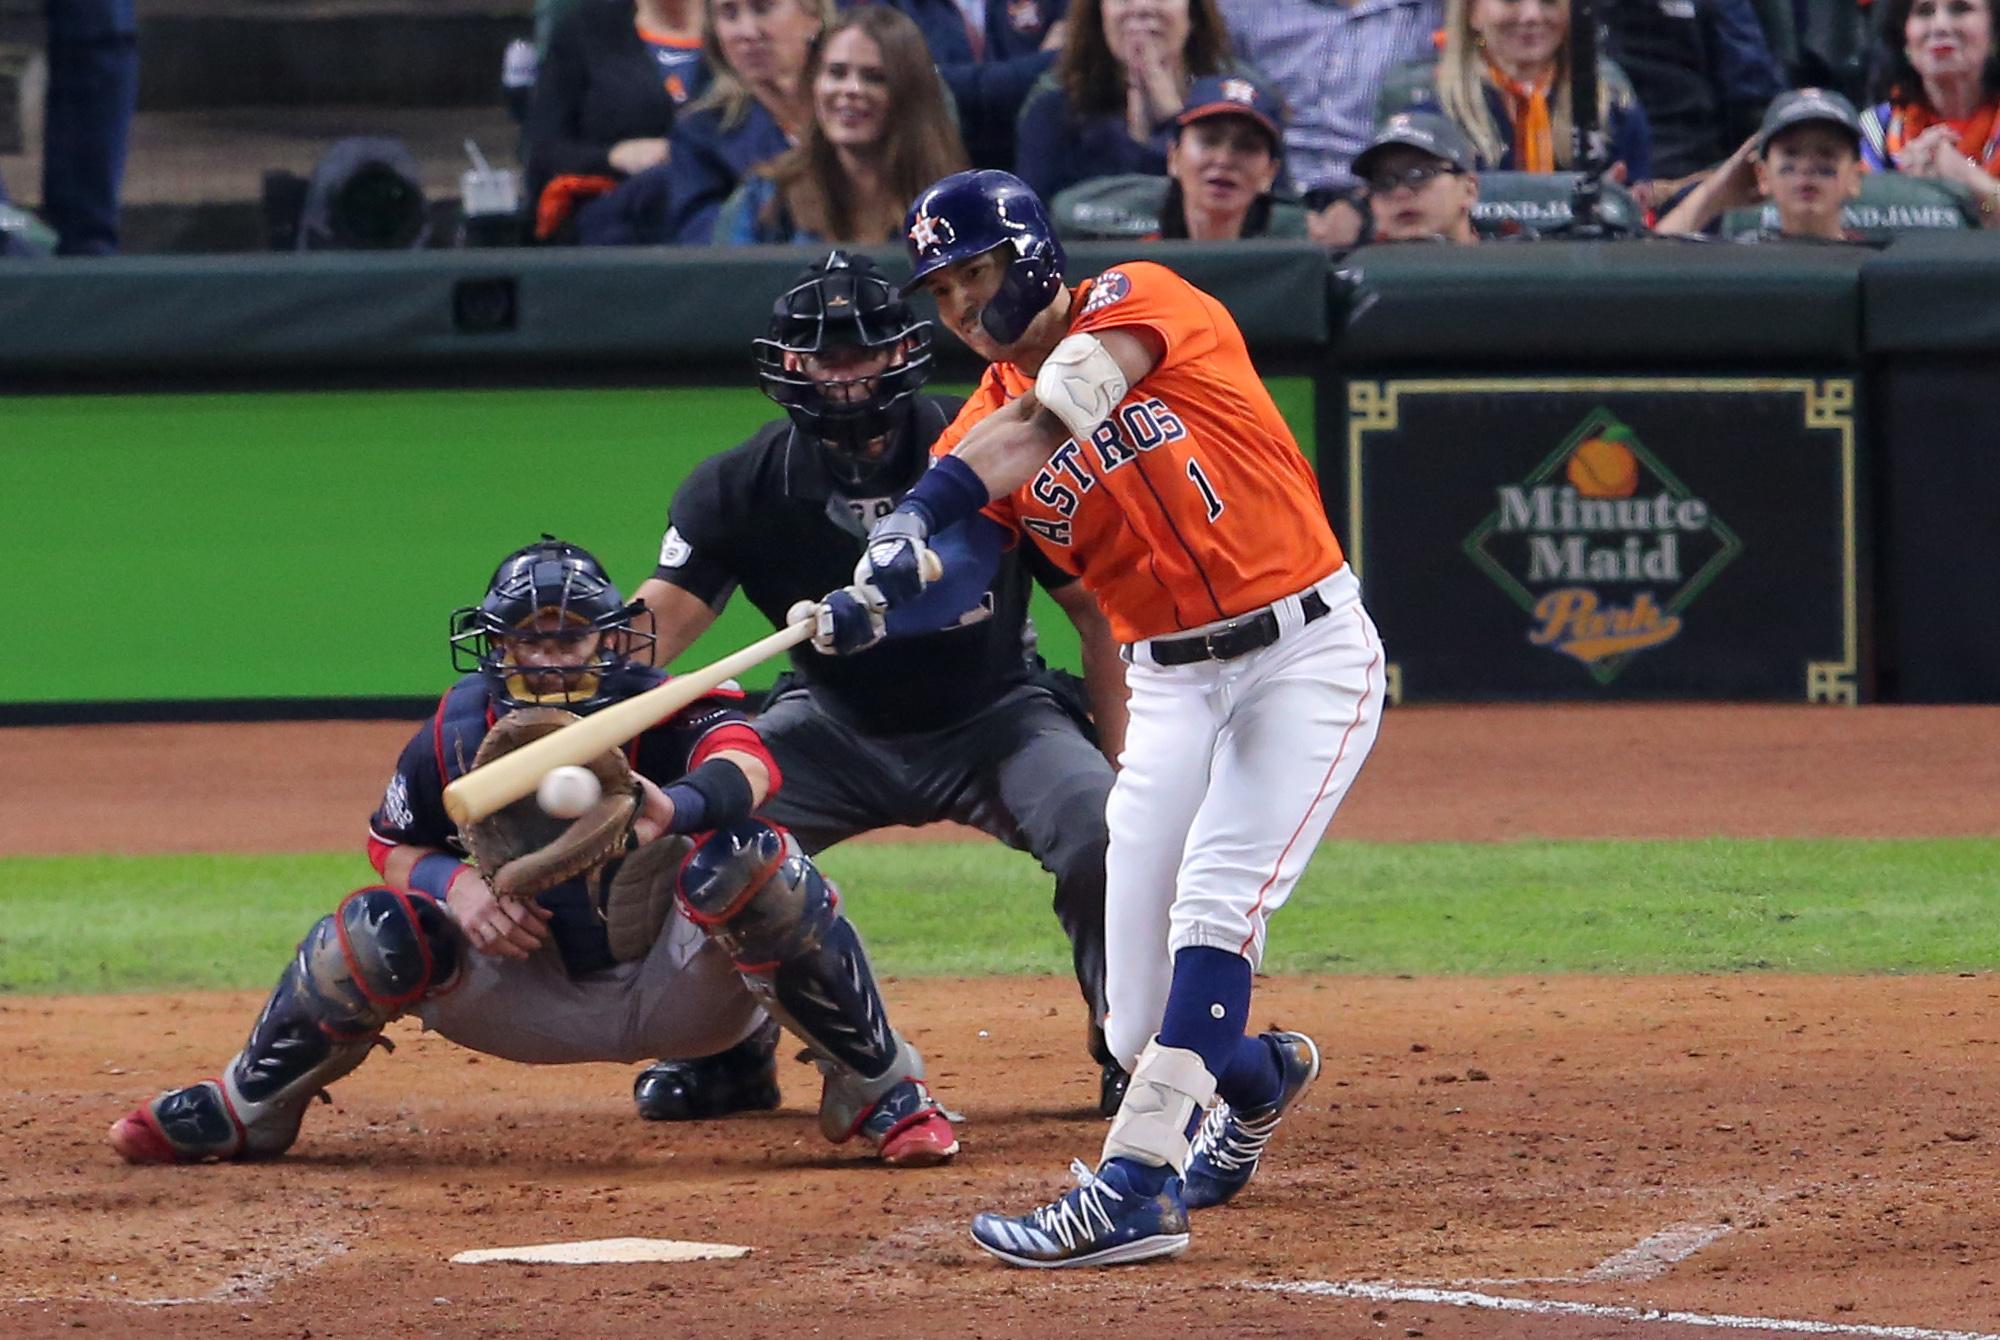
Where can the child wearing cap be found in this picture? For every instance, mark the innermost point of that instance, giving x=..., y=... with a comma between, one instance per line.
x=1418, y=171
x=1805, y=159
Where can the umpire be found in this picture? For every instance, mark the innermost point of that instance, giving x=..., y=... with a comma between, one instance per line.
x=963, y=724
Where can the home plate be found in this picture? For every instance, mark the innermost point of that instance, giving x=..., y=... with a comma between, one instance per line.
x=602, y=1250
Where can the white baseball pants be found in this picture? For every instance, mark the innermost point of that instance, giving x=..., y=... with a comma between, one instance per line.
x=1231, y=772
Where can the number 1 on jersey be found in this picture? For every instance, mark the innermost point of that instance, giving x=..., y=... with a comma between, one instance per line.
x=1207, y=489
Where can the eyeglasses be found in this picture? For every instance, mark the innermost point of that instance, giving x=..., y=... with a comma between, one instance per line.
x=1416, y=178
x=1811, y=167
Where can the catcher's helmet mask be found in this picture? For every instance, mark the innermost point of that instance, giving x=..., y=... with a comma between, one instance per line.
x=843, y=313
x=549, y=592
x=969, y=214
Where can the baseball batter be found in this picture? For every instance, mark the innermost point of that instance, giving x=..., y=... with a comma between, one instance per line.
x=1122, y=429
x=667, y=945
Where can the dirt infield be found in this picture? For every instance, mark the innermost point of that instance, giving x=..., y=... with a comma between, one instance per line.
x=1801, y=1150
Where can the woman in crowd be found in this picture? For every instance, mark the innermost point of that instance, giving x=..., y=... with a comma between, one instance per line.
x=1940, y=84
x=881, y=131
x=757, y=105
x=1226, y=155
x=605, y=96
x=1504, y=78
x=1108, y=105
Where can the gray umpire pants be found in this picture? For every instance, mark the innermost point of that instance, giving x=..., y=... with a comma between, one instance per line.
x=1021, y=771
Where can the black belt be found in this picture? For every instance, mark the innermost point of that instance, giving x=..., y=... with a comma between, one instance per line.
x=1242, y=636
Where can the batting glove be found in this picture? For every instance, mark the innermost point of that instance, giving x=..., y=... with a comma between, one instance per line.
x=846, y=621
x=897, y=562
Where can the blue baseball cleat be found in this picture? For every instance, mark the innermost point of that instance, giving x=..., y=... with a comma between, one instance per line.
x=1104, y=1221
x=1226, y=1149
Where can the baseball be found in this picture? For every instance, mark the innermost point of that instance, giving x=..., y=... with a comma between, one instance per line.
x=568, y=791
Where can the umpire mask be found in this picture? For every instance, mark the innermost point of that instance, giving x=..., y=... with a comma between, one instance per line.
x=845, y=357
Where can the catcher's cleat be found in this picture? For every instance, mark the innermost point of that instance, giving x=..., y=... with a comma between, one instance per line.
x=744, y=1078
x=1111, y=1083
x=1229, y=1144
x=1105, y=1220
x=909, y=1129
x=188, y=1125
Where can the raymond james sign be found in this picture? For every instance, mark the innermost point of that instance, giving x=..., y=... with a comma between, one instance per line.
x=1587, y=538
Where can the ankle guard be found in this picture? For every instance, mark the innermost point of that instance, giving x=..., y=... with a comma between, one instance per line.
x=756, y=894
x=1168, y=1087
x=378, y=955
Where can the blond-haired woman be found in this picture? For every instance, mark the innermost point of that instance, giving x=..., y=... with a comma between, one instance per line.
x=881, y=132
x=757, y=106
x=1504, y=79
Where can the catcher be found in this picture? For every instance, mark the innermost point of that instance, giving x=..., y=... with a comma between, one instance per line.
x=663, y=922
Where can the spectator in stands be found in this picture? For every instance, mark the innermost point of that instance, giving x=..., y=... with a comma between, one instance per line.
x=1420, y=176
x=1940, y=85
x=756, y=107
x=1504, y=78
x=881, y=132
x=1701, y=69
x=604, y=101
x=92, y=93
x=10, y=243
x=1108, y=105
x=1805, y=159
x=991, y=64
x=1327, y=60
x=1226, y=154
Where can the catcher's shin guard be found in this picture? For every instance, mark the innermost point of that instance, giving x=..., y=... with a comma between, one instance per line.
x=372, y=960
x=753, y=891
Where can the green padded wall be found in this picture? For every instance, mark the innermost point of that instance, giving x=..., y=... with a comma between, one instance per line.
x=286, y=544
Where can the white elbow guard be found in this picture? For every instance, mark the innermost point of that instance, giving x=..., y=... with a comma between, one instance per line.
x=1081, y=383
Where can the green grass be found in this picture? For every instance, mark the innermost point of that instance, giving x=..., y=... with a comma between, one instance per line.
x=104, y=923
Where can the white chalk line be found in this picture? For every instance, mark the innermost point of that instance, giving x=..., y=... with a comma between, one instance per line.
x=1653, y=1255
x=249, y=1284
x=1647, y=1259
x=1656, y=1254
x=1549, y=1307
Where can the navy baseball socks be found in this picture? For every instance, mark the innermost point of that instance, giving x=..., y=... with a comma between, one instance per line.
x=1232, y=1138
x=1134, y=1206
x=1258, y=1077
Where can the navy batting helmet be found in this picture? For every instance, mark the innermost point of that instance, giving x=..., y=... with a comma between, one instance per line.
x=971, y=213
x=550, y=591
x=816, y=361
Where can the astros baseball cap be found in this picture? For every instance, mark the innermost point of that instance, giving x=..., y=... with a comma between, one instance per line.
x=1429, y=132
x=1233, y=95
x=1803, y=106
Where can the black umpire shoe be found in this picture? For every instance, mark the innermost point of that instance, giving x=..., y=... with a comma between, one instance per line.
x=1111, y=1077
x=1111, y=1082
x=741, y=1079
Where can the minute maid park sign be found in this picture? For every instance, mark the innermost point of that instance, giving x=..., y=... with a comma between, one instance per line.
x=1602, y=547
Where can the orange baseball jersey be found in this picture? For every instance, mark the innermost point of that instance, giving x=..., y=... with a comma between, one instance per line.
x=1192, y=502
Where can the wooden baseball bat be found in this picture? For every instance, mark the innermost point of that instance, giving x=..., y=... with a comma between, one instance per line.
x=507, y=778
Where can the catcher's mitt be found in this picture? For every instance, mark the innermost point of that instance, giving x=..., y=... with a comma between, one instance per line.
x=521, y=849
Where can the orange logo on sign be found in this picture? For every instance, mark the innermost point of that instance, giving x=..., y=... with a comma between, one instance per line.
x=1575, y=623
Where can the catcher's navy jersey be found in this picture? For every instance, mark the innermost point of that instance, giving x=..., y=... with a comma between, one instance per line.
x=442, y=749
x=767, y=516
